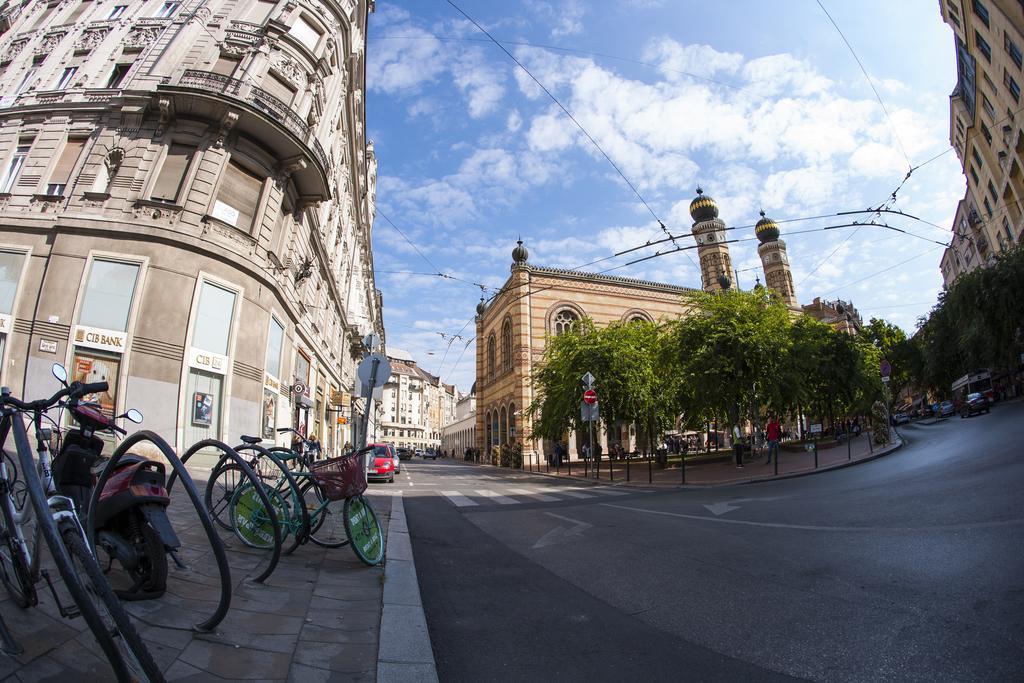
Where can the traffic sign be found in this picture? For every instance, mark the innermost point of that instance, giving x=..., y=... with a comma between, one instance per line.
x=886, y=368
x=366, y=366
x=590, y=397
x=588, y=380
x=589, y=412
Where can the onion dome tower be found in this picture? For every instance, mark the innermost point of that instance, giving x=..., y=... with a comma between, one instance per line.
x=709, y=231
x=520, y=254
x=772, y=251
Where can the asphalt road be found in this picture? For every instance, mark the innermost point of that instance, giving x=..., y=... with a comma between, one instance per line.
x=910, y=567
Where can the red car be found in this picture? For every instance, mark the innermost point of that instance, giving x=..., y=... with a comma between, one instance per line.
x=381, y=465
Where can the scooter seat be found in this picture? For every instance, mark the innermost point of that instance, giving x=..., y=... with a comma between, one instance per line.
x=251, y=440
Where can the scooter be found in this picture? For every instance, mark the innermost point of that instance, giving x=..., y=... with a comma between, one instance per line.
x=131, y=515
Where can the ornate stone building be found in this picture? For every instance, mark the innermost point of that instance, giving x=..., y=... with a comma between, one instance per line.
x=775, y=261
x=186, y=201
x=985, y=130
x=713, y=250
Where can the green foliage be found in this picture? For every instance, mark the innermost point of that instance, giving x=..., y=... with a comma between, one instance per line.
x=976, y=324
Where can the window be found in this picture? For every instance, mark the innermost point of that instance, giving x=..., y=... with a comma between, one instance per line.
x=212, y=329
x=1013, y=50
x=983, y=46
x=238, y=196
x=226, y=65
x=14, y=168
x=78, y=11
x=987, y=105
x=988, y=207
x=953, y=13
x=491, y=356
x=260, y=11
x=11, y=263
x=1006, y=229
x=108, y=295
x=301, y=369
x=987, y=133
x=167, y=9
x=989, y=83
x=564, y=321
x=27, y=80
x=305, y=33
x=279, y=89
x=117, y=75
x=275, y=340
x=41, y=19
x=172, y=173
x=974, y=177
x=506, y=344
x=117, y=12
x=65, y=165
x=977, y=157
x=992, y=192
x=1012, y=85
x=66, y=77
x=980, y=11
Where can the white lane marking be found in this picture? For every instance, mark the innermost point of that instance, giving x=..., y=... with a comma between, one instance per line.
x=811, y=527
x=534, y=495
x=571, y=493
x=458, y=499
x=560, y=534
x=609, y=492
x=496, y=497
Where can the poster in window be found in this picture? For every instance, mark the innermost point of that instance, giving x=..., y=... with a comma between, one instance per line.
x=269, y=413
x=91, y=367
x=202, y=409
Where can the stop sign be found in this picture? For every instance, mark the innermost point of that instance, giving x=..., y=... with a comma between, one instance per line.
x=590, y=397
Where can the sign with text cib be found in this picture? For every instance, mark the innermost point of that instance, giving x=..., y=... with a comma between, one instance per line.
x=96, y=338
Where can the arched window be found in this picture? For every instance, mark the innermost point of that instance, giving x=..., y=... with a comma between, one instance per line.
x=487, y=425
x=512, y=421
x=564, y=321
x=490, y=356
x=506, y=344
x=494, y=428
x=503, y=432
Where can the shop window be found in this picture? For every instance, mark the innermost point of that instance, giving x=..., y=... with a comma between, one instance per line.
x=305, y=33
x=11, y=263
x=238, y=196
x=212, y=331
x=108, y=295
x=65, y=165
x=172, y=173
x=88, y=366
x=14, y=167
x=275, y=340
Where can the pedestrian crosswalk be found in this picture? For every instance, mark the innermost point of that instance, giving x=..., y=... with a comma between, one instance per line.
x=525, y=495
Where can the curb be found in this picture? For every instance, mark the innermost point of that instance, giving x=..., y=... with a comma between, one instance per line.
x=696, y=487
x=404, y=652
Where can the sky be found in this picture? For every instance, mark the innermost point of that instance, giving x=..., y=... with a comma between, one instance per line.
x=761, y=104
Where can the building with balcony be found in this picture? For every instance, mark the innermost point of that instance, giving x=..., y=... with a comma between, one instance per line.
x=186, y=204
x=413, y=404
x=985, y=117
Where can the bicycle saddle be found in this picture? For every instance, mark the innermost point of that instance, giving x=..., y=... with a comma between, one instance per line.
x=251, y=439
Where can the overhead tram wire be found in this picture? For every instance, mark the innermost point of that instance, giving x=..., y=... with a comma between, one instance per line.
x=870, y=83
x=572, y=118
x=879, y=272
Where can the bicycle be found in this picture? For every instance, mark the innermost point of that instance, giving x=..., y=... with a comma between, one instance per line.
x=57, y=523
x=337, y=512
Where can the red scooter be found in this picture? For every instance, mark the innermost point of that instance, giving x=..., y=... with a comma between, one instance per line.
x=131, y=515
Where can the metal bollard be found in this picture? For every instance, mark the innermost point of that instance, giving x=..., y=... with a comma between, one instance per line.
x=871, y=442
x=849, y=447
x=627, y=466
x=778, y=454
x=611, y=469
x=815, y=455
x=650, y=471
x=682, y=467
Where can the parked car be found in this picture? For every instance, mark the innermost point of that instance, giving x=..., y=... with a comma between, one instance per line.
x=394, y=456
x=381, y=466
x=974, y=403
x=429, y=454
x=405, y=454
x=946, y=409
x=900, y=418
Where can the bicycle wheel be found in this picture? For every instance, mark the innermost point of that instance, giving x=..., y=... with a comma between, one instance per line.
x=277, y=477
x=364, y=530
x=24, y=515
x=327, y=522
x=250, y=518
x=15, y=574
x=220, y=488
x=132, y=651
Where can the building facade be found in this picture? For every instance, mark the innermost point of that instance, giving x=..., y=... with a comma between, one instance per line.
x=414, y=405
x=186, y=203
x=460, y=432
x=985, y=116
x=841, y=315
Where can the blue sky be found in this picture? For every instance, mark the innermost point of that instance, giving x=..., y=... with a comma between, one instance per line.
x=760, y=103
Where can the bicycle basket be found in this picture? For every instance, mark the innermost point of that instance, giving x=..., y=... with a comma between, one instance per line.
x=340, y=478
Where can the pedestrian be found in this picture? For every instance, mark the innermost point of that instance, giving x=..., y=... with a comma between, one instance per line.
x=586, y=451
x=559, y=452
x=313, y=447
x=737, y=447
x=774, y=432
x=598, y=450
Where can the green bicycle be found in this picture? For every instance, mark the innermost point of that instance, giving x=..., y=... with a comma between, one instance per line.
x=334, y=513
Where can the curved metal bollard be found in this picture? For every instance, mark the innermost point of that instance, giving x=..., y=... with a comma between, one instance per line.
x=178, y=469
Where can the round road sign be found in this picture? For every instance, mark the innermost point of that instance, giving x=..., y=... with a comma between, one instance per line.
x=590, y=397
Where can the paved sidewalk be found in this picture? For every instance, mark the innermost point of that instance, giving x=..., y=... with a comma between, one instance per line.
x=317, y=618
x=722, y=470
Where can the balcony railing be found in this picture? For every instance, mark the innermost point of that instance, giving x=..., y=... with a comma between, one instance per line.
x=259, y=99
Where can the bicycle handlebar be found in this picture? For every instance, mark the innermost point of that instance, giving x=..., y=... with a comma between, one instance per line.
x=73, y=390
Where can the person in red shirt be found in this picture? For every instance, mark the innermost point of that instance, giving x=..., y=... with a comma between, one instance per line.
x=774, y=431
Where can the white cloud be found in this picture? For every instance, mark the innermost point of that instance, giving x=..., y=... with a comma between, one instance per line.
x=482, y=84
x=565, y=17
x=676, y=60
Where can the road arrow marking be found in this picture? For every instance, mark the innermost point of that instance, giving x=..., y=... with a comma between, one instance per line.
x=560, y=534
x=719, y=509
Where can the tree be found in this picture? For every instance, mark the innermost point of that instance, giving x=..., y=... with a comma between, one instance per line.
x=891, y=342
x=728, y=352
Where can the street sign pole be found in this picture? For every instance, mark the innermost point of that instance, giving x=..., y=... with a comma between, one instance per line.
x=368, y=397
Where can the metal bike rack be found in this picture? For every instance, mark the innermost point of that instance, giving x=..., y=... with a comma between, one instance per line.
x=208, y=525
x=231, y=454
